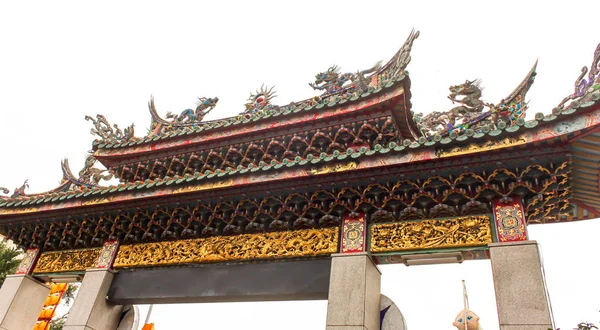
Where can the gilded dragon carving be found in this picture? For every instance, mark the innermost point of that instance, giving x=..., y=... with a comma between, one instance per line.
x=431, y=234
x=65, y=261
x=298, y=243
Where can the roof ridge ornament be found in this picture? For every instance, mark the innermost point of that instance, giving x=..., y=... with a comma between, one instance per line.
x=260, y=100
x=584, y=86
x=468, y=95
x=204, y=105
x=110, y=134
x=20, y=191
x=186, y=118
x=89, y=176
x=396, y=67
x=332, y=82
x=469, y=116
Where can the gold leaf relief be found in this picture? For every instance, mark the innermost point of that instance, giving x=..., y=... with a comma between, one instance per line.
x=289, y=244
x=431, y=234
x=63, y=261
x=480, y=147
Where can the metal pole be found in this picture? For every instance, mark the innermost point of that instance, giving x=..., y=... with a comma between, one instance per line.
x=148, y=315
x=465, y=304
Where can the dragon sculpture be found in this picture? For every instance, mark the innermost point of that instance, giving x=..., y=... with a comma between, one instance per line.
x=203, y=107
x=91, y=175
x=332, y=82
x=260, y=100
x=470, y=107
x=4, y=190
x=103, y=129
x=583, y=85
x=471, y=94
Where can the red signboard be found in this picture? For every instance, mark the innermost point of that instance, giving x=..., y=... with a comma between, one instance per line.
x=353, y=233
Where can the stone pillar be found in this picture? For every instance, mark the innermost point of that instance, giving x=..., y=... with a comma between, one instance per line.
x=21, y=300
x=354, y=293
x=90, y=310
x=521, y=294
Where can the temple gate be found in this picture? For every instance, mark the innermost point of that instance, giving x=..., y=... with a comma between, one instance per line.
x=303, y=201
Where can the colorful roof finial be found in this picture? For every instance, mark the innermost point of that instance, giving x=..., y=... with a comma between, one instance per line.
x=21, y=190
x=583, y=86
x=260, y=100
x=396, y=67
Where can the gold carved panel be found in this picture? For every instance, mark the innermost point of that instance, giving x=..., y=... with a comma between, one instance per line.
x=287, y=244
x=67, y=261
x=431, y=234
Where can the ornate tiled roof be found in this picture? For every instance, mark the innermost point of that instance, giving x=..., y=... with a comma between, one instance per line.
x=391, y=173
x=516, y=132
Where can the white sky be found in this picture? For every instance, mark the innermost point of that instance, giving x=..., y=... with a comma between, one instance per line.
x=60, y=61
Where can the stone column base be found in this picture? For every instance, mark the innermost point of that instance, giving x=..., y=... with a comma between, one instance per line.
x=90, y=310
x=521, y=294
x=21, y=300
x=354, y=293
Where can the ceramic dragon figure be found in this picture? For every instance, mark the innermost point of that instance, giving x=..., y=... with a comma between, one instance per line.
x=470, y=101
x=332, y=81
x=91, y=175
x=468, y=95
x=203, y=107
x=103, y=129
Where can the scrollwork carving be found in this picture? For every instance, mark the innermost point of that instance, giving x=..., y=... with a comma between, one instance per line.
x=107, y=133
x=430, y=234
x=299, y=243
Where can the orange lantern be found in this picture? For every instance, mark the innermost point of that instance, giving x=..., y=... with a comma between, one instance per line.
x=56, y=292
